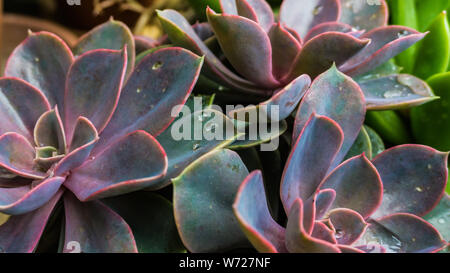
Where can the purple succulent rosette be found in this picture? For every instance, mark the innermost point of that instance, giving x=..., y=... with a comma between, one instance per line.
x=308, y=37
x=82, y=129
x=332, y=205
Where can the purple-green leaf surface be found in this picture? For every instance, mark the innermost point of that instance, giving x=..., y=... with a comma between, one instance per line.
x=49, y=131
x=302, y=15
x=113, y=35
x=349, y=225
x=338, y=97
x=161, y=81
x=298, y=240
x=319, y=53
x=403, y=233
x=414, y=179
x=386, y=43
x=42, y=60
x=17, y=156
x=363, y=15
x=182, y=34
x=310, y=159
x=130, y=164
x=327, y=27
x=246, y=45
x=21, y=107
x=285, y=99
x=323, y=232
x=395, y=91
x=285, y=49
x=96, y=227
x=252, y=211
x=21, y=233
x=182, y=152
x=357, y=185
x=262, y=10
x=94, y=82
x=20, y=200
x=83, y=140
x=203, y=203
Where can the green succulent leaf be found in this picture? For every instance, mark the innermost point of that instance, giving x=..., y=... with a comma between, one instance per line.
x=203, y=197
x=362, y=144
x=434, y=51
x=430, y=122
x=375, y=140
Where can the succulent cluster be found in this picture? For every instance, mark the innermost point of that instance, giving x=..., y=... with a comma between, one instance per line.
x=359, y=205
x=87, y=132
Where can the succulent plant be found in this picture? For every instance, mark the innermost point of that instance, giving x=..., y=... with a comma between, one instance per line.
x=309, y=37
x=356, y=205
x=89, y=130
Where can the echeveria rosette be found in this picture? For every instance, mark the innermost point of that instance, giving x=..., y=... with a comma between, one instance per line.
x=309, y=37
x=80, y=130
x=353, y=206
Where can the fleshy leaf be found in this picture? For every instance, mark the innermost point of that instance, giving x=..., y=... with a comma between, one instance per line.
x=203, y=198
x=250, y=208
x=20, y=200
x=42, y=60
x=17, y=156
x=182, y=152
x=414, y=179
x=439, y=217
x=322, y=232
x=319, y=53
x=429, y=122
x=376, y=141
x=285, y=49
x=310, y=159
x=246, y=46
x=113, y=35
x=302, y=15
x=160, y=236
x=387, y=42
x=93, y=88
x=267, y=135
x=286, y=100
x=130, y=164
x=297, y=240
x=262, y=10
x=395, y=91
x=96, y=228
x=228, y=6
x=182, y=34
x=363, y=15
x=357, y=184
x=324, y=200
x=84, y=137
x=161, y=81
x=327, y=27
x=20, y=107
x=403, y=233
x=21, y=234
x=338, y=97
x=349, y=225
x=49, y=131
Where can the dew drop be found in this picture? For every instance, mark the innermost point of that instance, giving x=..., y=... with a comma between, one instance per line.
x=402, y=33
x=441, y=221
x=139, y=90
x=157, y=65
x=196, y=146
x=429, y=167
x=317, y=10
x=419, y=189
x=36, y=59
x=164, y=89
x=392, y=94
